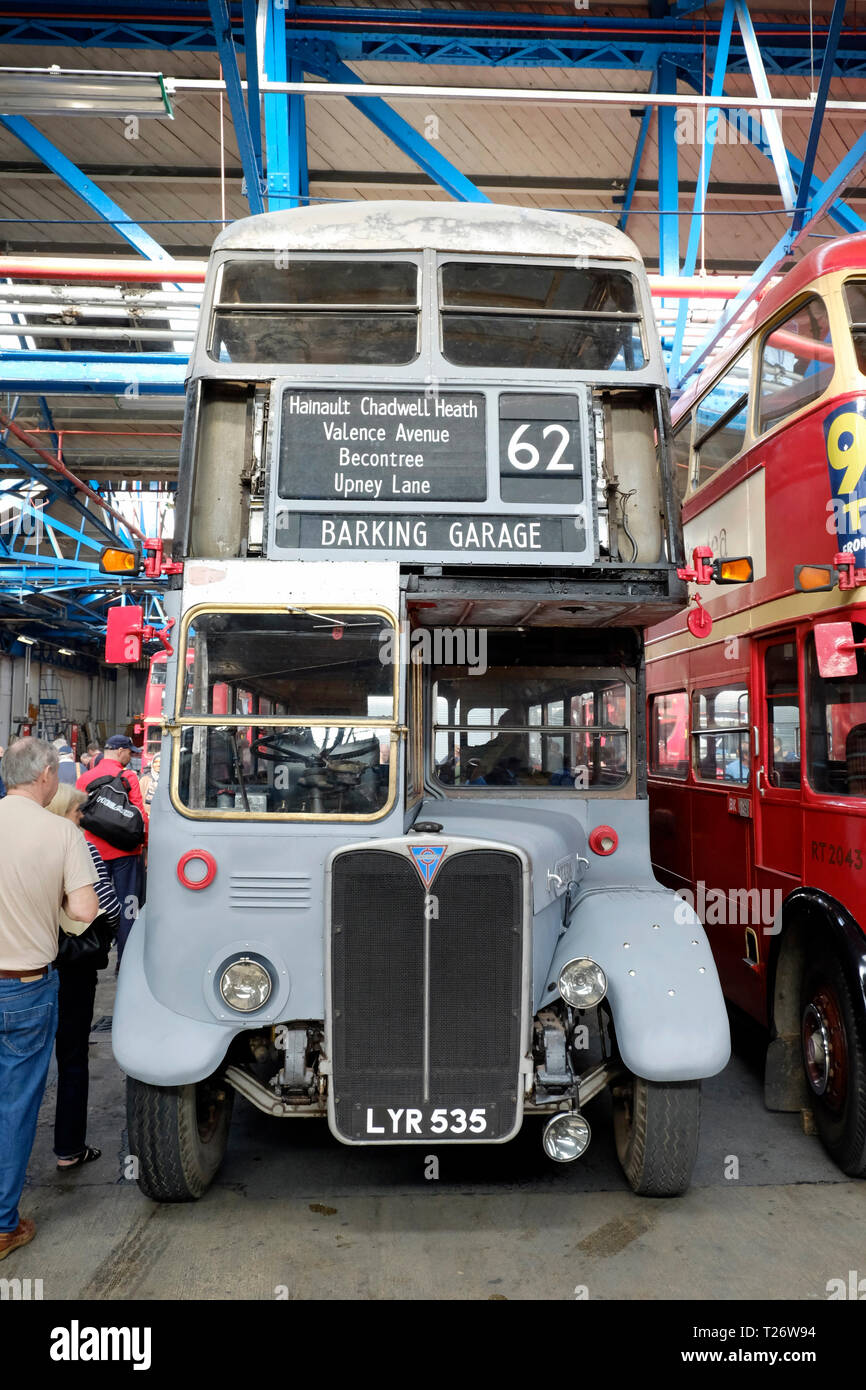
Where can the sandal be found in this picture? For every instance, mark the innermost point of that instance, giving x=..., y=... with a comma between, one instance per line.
x=88, y=1155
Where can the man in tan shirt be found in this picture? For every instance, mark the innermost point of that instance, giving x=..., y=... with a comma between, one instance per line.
x=45, y=865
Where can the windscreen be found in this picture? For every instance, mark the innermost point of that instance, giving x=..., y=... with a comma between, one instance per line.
x=252, y=671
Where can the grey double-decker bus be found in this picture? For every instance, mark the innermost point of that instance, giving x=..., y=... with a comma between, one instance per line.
x=399, y=871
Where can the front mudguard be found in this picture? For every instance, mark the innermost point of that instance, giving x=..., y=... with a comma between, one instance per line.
x=663, y=989
x=151, y=1042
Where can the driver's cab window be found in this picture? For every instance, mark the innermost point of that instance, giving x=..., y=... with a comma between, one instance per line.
x=836, y=712
x=307, y=700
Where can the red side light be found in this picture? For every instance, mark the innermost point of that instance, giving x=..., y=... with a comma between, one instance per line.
x=197, y=857
x=603, y=840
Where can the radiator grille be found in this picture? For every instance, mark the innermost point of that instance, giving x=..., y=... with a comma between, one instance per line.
x=378, y=953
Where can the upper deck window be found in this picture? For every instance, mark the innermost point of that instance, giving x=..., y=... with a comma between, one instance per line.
x=855, y=298
x=545, y=317
x=680, y=446
x=358, y=312
x=721, y=421
x=797, y=363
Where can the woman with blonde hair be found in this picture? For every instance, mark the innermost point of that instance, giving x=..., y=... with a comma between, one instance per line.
x=148, y=781
x=79, y=961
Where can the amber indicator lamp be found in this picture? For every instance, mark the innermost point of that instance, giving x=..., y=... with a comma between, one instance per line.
x=116, y=561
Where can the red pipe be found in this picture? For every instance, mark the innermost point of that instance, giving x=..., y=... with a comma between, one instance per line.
x=56, y=464
x=695, y=286
x=367, y=23
x=58, y=268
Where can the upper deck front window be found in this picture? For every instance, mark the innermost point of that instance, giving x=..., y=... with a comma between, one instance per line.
x=855, y=299
x=797, y=363
x=335, y=312
x=545, y=317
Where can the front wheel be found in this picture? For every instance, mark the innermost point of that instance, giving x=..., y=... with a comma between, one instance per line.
x=178, y=1134
x=656, y=1127
x=834, y=1060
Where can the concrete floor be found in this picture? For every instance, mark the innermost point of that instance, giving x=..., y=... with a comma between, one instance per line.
x=293, y=1214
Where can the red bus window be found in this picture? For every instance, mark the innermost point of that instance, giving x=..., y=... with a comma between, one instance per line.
x=721, y=420
x=797, y=363
x=669, y=734
x=680, y=454
x=781, y=679
x=721, y=735
x=837, y=726
x=855, y=298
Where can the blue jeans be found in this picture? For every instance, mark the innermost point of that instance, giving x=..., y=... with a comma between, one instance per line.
x=28, y=1023
x=126, y=874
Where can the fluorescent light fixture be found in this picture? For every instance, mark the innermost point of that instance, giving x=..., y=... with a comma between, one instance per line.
x=47, y=91
x=65, y=651
x=28, y=641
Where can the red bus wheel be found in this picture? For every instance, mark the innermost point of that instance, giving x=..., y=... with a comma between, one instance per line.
x=834, y=1060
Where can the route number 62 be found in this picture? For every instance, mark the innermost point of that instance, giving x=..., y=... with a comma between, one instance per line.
x=524, y=456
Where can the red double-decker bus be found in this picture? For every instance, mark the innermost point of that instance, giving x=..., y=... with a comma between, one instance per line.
x=154, y=702
x=757, y=732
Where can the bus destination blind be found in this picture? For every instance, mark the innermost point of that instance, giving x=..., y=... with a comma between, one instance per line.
x=363, y=453
x=383, y=446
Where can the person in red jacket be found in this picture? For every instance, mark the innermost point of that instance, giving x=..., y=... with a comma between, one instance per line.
x=125, y=867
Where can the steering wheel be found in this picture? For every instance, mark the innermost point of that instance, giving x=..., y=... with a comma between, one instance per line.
x=273, y=748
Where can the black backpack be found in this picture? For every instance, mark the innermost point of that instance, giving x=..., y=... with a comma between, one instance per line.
x=109, y=813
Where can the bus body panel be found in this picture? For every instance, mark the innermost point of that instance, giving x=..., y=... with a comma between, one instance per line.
x=662, y=984
x=155, y=1043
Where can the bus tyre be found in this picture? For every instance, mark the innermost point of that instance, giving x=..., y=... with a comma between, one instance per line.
x=178, y=1134
x=834, y=1060
x=656, y=1126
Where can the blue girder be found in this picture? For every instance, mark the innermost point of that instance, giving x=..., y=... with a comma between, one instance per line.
x=473, y=38
x=84, y=187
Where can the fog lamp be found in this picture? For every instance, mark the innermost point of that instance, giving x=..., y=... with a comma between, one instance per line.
x=245, y=985
x=566, y=1137
x=582, y=983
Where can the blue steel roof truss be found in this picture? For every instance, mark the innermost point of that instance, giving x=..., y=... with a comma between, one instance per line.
x=668, y=43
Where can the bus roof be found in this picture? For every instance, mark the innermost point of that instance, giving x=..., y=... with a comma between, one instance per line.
x=842, y=253
x=484, y=228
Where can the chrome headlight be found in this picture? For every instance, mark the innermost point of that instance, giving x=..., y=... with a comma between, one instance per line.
x=566, y=1137
x=245, y=985
x=582, y=983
